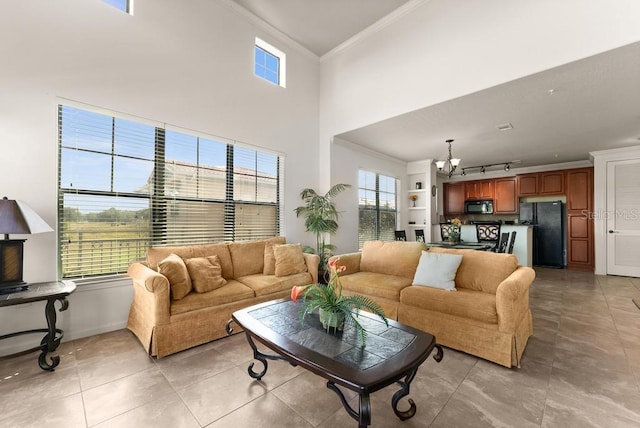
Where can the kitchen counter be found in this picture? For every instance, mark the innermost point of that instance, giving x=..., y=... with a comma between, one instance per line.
x=522, y=248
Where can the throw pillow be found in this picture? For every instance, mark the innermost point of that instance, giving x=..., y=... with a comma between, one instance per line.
x=205, y=273
x=437, y=270
x=269, y=259
x=289, y=259
x=175, y=270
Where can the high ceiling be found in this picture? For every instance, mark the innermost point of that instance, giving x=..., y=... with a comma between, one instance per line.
x=320, y=25
x=558, y=115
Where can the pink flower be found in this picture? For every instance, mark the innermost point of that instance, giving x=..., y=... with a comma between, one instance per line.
x=296, y=292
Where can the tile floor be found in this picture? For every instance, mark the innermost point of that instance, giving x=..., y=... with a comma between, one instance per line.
x=581, y=369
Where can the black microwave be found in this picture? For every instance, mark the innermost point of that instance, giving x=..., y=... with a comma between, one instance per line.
x=478, y=207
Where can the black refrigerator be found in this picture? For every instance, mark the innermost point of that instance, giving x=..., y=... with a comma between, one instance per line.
x=547, y=219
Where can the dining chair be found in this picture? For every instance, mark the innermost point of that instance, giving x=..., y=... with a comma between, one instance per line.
x=445, y=230
x=513, y=240
x=401, y=235
x=504, y=243
x=489, y=233
x=420, y=235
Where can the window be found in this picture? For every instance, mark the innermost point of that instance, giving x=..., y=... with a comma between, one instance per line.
x=123, y=5
x=269, y=63
x=377, y=207
x=125, y=186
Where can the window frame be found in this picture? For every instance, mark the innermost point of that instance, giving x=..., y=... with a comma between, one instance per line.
x=160, y=230
x=278, y=54
x=128, y=6
x=378, y=209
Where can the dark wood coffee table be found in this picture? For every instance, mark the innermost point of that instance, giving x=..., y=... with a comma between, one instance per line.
x=392, y=354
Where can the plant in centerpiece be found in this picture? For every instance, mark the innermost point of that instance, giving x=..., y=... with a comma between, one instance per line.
x=321, y=219
x=413, y=199
x=454, y=234
x=334, y=309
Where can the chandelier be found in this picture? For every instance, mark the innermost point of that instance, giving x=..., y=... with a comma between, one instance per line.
x=450, y=165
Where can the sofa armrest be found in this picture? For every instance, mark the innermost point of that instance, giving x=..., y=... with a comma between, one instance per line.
x=350, y=260
x=312, y=261
x=512, y=298
x=152, y=296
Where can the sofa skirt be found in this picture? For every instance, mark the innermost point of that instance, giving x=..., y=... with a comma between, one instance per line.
x=470, y=336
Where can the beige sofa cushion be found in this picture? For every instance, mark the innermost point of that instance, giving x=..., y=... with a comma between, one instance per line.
x=205, y=273
x=481, y=270
x=155, y=254
x=269, y=284
x=464, y=303
x=232, y=292
x=397, y=258
x=289, y=259
x=248, y=257
x=375, y=284
x=174, y=268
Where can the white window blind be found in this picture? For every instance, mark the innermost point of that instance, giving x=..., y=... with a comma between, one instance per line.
x=377, y=207
x=126, y=186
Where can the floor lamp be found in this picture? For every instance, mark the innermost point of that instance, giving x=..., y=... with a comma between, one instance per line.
x=16, y=217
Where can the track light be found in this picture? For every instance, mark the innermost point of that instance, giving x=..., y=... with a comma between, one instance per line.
x=482, y=171
x=507, y=167
x=463, y=172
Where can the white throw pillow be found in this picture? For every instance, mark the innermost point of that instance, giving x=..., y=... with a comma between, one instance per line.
x=437, y=270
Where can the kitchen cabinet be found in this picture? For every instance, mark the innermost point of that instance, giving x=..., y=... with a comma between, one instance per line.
x=506, y=197
x=527, y=184
x=478, y=189
x=580, y=240
x=551, y=183
x=541, y=183
x=453, y=198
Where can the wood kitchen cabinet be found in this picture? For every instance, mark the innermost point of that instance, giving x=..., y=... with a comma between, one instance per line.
x=478, y=189
x=541, y=183
x=506, y=197
x=453, y=198
x=551, y=183
x=580, y=239
x=527, y=184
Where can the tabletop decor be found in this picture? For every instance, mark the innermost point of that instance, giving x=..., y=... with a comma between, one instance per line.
x=413, y=199
x=454, y=234
x=334, y=309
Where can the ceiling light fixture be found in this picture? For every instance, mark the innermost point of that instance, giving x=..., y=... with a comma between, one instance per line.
x=483, y=168
x=450, y=165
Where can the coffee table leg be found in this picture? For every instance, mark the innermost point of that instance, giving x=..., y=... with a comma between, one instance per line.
x=403, y=393
x=262, y=358
x=364, y=415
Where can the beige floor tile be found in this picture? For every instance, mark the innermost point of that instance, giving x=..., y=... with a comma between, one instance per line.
x=221, y=394
x=120, y=396
x=194, y=368
x=266, y=411
x=166, y=412
x=63, y=412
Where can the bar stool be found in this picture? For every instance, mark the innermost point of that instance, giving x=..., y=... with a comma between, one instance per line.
x=420, y=235
x=400, y=235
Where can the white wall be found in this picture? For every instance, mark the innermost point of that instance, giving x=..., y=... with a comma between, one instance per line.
x=442, y=49
x=347, y=160
x=187, y=64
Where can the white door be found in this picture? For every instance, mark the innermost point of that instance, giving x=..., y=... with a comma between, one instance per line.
x=623, y=217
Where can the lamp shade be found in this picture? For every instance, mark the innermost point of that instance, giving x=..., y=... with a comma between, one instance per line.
x=18, y=217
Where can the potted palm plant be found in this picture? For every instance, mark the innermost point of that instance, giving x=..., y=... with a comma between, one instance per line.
x=334, y=309
x=321, y=218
